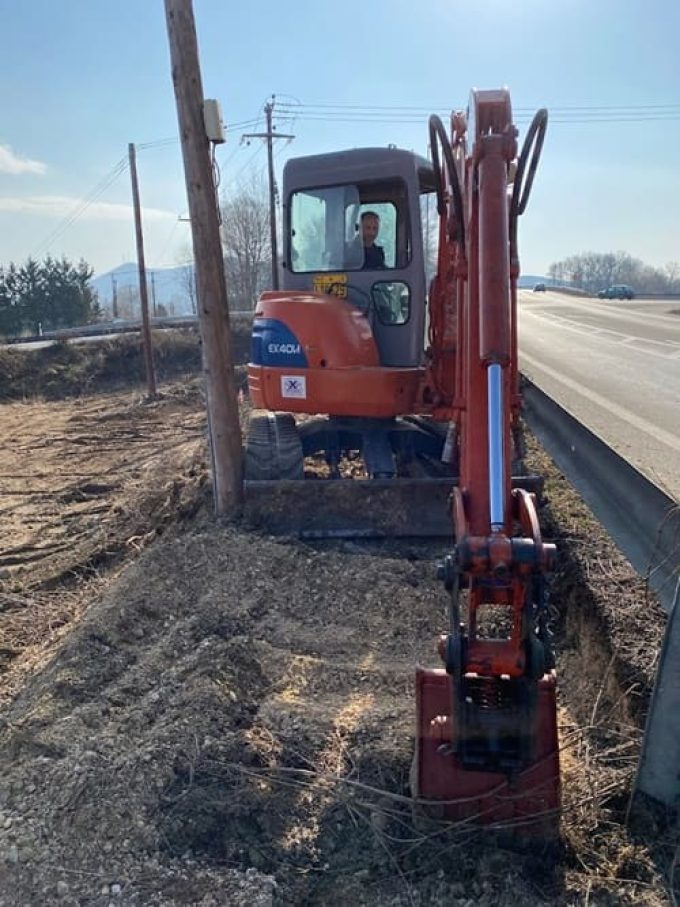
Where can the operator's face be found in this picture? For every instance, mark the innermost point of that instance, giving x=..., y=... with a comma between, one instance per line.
x=370, y=227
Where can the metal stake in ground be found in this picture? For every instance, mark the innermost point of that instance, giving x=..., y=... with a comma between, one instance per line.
x=143, y=295
x=211, y=289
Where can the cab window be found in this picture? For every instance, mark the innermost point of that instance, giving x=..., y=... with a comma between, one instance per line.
x=327, y=232
x=392, y=301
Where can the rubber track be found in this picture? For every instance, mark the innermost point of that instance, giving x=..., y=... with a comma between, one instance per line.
x=273, y=448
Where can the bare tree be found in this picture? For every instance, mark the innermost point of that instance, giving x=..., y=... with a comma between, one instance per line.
x=595, y=271
x=187, y=275
x=672, y=272
x=129, y=305
x=247, y=246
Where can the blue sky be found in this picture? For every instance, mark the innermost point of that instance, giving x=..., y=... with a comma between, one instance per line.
x=79, y=79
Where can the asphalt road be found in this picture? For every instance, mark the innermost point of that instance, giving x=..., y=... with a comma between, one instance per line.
x=615, y=366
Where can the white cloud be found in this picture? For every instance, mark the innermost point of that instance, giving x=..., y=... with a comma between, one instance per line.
x=11, y=163
x=65, y=206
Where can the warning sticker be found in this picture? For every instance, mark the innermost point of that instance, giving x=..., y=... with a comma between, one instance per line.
x=294, y=386
x=333, y=284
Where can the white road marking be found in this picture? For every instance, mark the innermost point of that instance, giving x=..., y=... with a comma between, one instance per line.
x=671, y=346
x=637, y=421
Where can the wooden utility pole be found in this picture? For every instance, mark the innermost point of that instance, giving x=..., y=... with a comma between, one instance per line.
x=146, y=328
x=270, y=135
x=114, y=299
x=153, y=294
x=211, y=289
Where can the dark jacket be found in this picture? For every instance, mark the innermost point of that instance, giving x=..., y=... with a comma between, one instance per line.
x=374, y=257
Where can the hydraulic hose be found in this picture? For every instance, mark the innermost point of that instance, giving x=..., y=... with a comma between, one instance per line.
x=439, y=137
x=533, y=145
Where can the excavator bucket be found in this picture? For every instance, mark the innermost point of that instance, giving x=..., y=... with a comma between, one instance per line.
x=445, y=787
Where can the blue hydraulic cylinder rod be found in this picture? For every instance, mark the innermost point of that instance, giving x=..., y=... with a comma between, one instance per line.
x=496, y=448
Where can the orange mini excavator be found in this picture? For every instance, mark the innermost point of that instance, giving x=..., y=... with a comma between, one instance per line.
x=422, y=383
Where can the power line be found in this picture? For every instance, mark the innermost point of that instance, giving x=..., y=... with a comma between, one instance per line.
x=174, y=139
x=253, y=123
x=247, y=164
x=158, y=143
x=604, y=117
x=519, y=118
x=227, y=160
x=167, y=242
x=621, y=107
x=105, y=183
x=245, y=123
x=81, y=207
x=400, y=114
x=239, y=147
x=402, y=107
x=279, y=151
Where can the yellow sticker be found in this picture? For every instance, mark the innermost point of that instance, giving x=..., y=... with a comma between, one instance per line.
x=333, y=284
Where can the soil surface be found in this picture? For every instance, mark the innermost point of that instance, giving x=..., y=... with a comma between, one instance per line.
x=197, y=714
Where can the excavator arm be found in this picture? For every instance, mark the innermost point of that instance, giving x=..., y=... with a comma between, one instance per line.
x=486, y=721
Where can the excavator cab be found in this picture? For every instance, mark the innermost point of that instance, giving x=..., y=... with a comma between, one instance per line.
x=345, y=337
x=330, y=201
x=343, y=342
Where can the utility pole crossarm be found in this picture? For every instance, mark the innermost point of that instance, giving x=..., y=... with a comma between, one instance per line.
x=267, y=135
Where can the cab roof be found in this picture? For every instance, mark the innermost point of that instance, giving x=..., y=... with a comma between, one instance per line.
x=356, y=165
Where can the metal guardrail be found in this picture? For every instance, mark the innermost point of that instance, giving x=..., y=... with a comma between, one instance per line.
x=643, y=520
x=121, y=326
x=645, y=524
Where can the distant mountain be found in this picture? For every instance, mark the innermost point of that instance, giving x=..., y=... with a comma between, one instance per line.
x=169, y=286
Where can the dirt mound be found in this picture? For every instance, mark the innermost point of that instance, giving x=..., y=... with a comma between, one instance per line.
x=236, y=700
x=72, y=369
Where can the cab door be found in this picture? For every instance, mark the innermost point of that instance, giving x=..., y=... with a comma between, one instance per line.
x=327, y=254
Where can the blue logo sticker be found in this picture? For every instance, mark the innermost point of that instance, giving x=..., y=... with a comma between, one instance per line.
x=274, y=344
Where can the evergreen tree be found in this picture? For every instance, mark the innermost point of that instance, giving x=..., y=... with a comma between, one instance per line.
x=46, y=296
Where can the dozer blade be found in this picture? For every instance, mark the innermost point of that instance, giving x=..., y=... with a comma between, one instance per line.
x=281, y=501
x=522, y=802
x=350, y=508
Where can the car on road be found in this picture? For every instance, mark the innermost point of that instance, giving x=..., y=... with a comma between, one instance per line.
x=539, y=288
x=618, y=291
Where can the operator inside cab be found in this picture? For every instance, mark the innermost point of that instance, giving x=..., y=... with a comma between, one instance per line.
x=350, y=227
x=364, y=252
